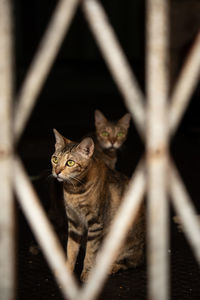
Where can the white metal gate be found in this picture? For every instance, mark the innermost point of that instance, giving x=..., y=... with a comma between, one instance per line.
x=156, y=122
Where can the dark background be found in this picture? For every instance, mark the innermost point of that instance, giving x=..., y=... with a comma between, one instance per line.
x=78, y=83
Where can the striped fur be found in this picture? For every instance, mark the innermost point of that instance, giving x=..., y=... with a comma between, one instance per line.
x=92, y=195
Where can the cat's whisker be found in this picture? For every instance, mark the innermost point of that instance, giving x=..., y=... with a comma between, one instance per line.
x=49, y=179
x=71, y=182
x=40, y=176
x=78, y=180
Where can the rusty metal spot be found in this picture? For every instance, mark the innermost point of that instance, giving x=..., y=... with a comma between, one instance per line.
x=4, y=154
x=157, y=153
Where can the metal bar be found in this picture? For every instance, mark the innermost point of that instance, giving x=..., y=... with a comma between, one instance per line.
x=157, y=148
x=185, y=209
x=185, y=85
x=115, y=59
x=157, y=144
x=122, y=222
x=7, y=220
x=43, y=232
x=42, y=62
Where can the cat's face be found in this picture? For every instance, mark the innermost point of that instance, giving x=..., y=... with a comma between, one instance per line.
x=70, y=159
x=111, y=135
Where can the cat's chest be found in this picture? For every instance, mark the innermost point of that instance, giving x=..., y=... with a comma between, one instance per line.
x=80, y=207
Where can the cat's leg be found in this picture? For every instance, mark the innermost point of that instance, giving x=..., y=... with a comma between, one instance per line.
x=131, y=262
x=93, y=243
x=117, y=267
x=72, y=253
x=131, y=256
x=75, y=235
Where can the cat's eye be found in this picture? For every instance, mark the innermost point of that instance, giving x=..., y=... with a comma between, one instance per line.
x=54, y=159
x=70, y=163
x=120, y=134
x=104, y=133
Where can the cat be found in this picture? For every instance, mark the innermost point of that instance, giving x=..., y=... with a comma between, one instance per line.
x=110, y=136
x=92, y=195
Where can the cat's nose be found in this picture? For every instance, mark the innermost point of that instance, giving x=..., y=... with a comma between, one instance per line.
x=113, y=141
x=58, y=171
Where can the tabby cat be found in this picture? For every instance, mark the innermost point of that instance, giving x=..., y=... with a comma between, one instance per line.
x=92, y=195
x=110, y=136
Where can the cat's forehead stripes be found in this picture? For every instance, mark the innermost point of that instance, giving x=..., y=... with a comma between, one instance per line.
x=64, y=154
x=114, y=129
x=68, y=148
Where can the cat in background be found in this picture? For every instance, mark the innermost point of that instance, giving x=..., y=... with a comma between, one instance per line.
x=92, y=195
x=110, y=136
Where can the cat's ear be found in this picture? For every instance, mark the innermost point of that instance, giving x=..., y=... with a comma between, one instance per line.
x=61, y=141
x=125, y=120
x=86, y=147
x=99, y=118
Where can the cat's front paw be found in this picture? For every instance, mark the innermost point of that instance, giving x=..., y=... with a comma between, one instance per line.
x=115, y=269
x=84, y=276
